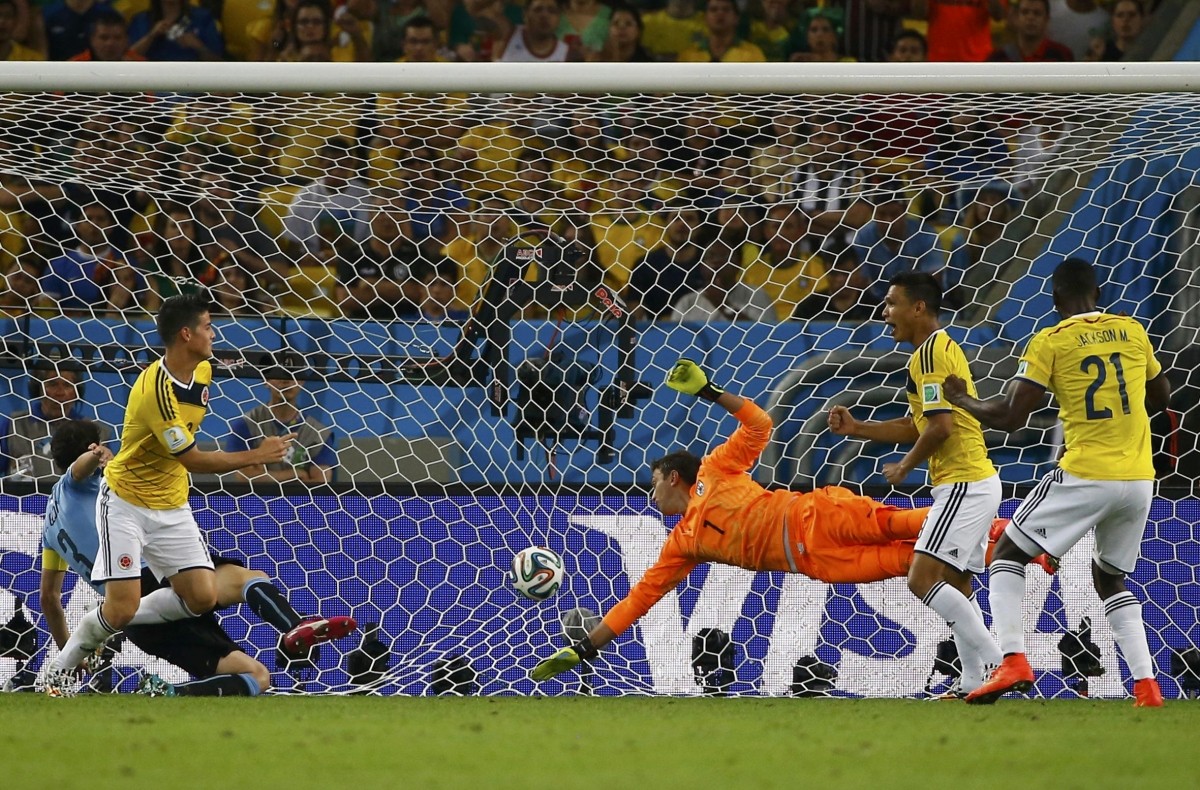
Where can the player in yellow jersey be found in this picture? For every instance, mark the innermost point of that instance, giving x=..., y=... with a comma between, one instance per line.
x=142, y=509
x=1102, y=371
x=966, y=489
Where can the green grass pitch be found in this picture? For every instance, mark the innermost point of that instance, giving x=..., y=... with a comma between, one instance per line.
x=600, y=744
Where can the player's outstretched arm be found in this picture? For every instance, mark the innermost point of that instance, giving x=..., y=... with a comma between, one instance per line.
x=271, y=450
x=97, y=455
x=687, y=377
x=568, y=657
x=1007, y=412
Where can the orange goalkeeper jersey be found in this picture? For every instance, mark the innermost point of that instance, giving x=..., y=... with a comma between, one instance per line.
x=729, y=519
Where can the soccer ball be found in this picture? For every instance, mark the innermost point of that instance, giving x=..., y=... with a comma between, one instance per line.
x=536, y=573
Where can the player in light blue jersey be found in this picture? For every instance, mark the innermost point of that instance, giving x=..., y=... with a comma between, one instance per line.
x=70, y=541
x=69, y=537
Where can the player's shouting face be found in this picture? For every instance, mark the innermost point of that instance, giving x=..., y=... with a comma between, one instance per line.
x=898, y=313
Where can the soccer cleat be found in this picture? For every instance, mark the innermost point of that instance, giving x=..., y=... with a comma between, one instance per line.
x=1147, y=694
x=953, y=693
x=315, y=630
x=1044, y=561
x=1047, y=563
x=60, y=683
x=1013, y=674
x=997, y=529
x=152, y=685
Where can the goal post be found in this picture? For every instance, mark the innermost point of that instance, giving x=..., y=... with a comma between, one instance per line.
x=477, y=275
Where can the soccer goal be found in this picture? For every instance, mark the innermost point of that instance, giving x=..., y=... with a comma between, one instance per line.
x=467, y=282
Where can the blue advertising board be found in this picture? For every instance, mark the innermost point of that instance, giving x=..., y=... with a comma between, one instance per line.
x=432, y=571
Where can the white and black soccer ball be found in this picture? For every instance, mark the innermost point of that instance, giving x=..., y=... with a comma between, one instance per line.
x=536, y=573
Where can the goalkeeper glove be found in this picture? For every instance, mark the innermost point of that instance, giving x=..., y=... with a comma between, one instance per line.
x=688, y=378
x=564, y=659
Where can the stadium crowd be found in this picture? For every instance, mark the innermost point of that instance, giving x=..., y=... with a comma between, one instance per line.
x=393, y=208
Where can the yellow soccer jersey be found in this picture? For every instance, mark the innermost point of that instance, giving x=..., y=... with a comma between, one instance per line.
x=963, y=457
x=1097, y=366
x=161, y=421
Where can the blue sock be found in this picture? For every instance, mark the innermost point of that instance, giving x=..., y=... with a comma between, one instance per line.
x=243, y=685
x=268, y=602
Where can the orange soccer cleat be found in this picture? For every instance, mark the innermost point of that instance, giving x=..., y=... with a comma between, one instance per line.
x=1047, y=563
x=1044, y=561
x=998, y=527
x=1147, y=694
x=1013, y=674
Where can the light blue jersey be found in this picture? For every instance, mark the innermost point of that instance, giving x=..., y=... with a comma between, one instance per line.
x=70, y=526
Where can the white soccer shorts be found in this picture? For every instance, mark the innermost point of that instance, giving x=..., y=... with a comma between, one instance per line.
x=1062, y=508
x=956, y=529
x=168, y=540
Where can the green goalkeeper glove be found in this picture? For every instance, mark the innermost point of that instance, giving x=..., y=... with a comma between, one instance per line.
x=688, y=378
x=564, y=659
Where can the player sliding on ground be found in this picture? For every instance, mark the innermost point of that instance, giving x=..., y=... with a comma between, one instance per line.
x=830, y=534
x=1102, y=371
x=198, y=645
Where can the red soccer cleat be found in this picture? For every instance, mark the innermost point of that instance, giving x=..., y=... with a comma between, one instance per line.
x=315, y=630
x=1013, y=674
x=997, y=529
x=1047, y=563
x=1147, y=694
x=1044, y=561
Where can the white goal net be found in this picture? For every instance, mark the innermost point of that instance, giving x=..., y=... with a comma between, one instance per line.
x=470, y=292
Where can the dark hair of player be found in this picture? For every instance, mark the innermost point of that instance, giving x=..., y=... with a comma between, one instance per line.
x=1074, y=278
x=681, y=461
x=72, y=439
x=177, y=312
x=920, y=287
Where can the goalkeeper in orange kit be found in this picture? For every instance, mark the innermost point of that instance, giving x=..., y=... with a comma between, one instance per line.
x=830, y=534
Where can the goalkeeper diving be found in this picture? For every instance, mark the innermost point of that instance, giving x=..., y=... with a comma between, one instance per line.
x=830, y=534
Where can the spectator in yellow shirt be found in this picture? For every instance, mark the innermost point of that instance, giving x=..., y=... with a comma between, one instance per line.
x=673, y=29
x=720, y=42
x=10, y=49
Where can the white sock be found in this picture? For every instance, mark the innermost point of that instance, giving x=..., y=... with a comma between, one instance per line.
x=1124, y=615
x=161, y=606
x=972, y=665
x=1006, y=592
x=973, y=676
x=89, y=635
x=975, y=645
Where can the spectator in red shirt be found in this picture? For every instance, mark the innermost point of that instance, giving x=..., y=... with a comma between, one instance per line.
x=108, y=39
x=1030, y=21
x=959, y=30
